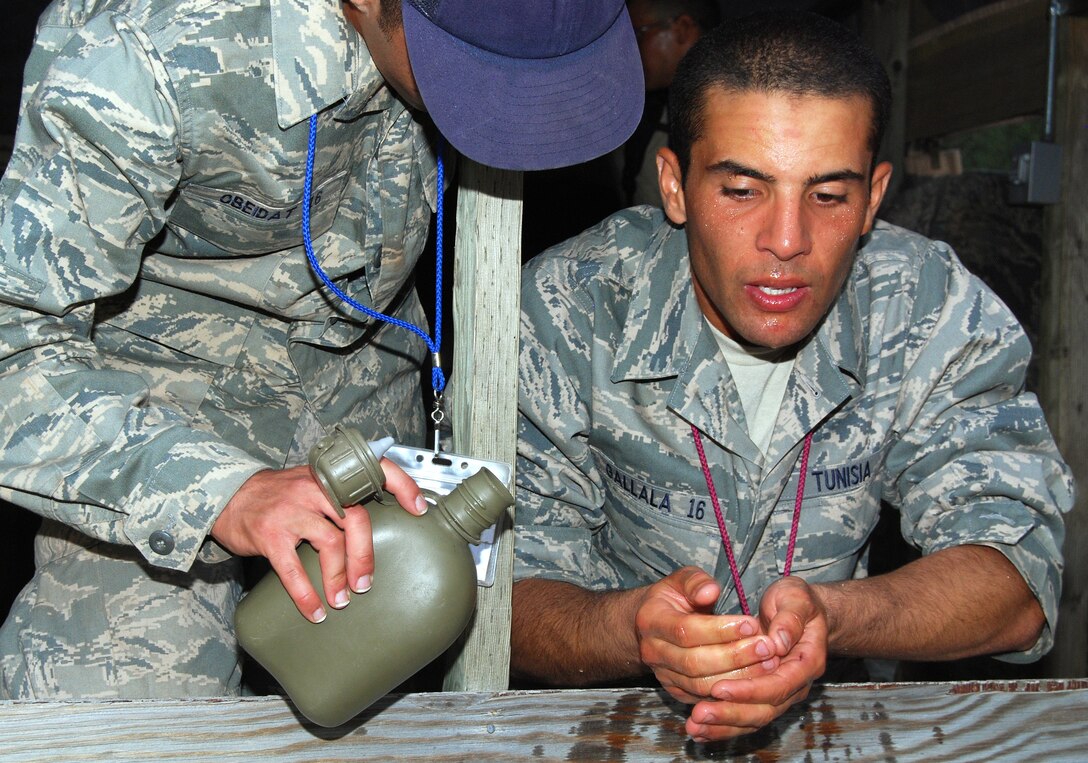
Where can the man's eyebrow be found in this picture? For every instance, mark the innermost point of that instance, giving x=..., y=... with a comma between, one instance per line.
x=835, y=177
x=730, y=167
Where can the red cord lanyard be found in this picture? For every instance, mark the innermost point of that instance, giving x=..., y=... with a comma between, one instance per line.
x=726, y=542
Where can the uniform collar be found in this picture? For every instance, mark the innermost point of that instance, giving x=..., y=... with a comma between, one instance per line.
x=842, y=330
x=318, y=59
x=662, y=327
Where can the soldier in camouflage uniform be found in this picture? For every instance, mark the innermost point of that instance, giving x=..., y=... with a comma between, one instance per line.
x=763, y=310
x=169, y=357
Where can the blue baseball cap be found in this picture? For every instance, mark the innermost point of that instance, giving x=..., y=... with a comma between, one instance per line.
x=527, y=84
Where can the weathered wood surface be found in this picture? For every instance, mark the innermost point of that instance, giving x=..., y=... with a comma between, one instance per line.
x=1023, y=721
x=483, y=388
x=1063, y=364
x=885, y=27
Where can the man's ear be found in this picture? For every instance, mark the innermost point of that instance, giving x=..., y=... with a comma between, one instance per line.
x=878, y=186
x=687, y=31
x=671, y=184
x=371, y=9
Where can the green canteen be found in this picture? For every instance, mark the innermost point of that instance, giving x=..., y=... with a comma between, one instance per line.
x=422, y=598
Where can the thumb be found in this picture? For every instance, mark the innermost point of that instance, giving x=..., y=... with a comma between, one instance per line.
x=697, y=586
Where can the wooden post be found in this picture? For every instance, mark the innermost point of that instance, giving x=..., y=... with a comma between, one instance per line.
x=885, y=26
x=483, y=387
x=1064, y=341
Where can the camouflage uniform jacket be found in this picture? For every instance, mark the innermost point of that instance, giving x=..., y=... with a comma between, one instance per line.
x=160, y=328
x=912, y=386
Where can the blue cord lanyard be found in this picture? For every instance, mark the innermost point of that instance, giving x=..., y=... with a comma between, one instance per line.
x=438, y=379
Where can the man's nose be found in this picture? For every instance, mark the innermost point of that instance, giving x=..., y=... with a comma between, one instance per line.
x=785, y=232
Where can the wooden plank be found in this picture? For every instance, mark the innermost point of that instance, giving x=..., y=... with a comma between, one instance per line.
x=483, y=387
x=862, y=722
x=1063, y=357
x=886, y=28
x=984, y=67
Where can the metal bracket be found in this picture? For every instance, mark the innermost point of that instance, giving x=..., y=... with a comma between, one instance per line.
x=1069, y=7
x=1036, y=175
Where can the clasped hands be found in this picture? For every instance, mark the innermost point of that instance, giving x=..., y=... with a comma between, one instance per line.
x=739, y=672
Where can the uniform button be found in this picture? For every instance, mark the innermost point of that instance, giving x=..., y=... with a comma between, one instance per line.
x=161, y=542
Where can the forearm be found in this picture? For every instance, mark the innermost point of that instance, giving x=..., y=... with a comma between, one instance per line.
x=565, y=635
x=955, y=603
x=124, y=470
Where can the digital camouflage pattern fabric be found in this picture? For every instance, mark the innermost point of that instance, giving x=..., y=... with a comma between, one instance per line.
x=912, y=386
x=162, y=336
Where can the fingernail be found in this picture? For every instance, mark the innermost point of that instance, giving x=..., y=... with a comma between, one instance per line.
x=770, y=665
x=784, y=640
x=342, y=600
x=421, y=504
x=362, y=585
x=747, y=628
x=318, y=615
x=762, y=650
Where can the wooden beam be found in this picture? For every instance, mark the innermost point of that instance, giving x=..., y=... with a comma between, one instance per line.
x=483, y=387
x=1063, y=357
x=885, y=26
x=984, y=67
x=845, y=722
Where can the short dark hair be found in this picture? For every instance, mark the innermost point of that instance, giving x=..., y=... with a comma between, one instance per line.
x=704, y=13
x=797, y=53
x=392, y=16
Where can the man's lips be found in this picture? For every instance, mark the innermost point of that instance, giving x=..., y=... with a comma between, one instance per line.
x=776, y=298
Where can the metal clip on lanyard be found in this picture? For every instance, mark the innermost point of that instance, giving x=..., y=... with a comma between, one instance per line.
x=438, y=379
x=438, y=413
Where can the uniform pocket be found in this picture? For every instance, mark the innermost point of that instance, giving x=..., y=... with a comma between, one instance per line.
x=831, y=533
x=18, y=287
x=665, y=530
x=243, y=221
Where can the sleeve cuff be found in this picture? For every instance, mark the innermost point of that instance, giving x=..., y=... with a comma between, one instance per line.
x=1044, y=580
x=170, y=516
